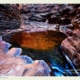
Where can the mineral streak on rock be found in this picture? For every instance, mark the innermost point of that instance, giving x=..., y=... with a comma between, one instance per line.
x=12, y=64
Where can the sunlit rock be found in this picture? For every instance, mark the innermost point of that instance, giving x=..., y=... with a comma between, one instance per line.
x=14, y=52
x=12, y=64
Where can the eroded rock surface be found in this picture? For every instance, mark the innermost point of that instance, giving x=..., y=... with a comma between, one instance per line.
x=12, y=64
x=71, y=47
x=35, y=18
x=9, y=16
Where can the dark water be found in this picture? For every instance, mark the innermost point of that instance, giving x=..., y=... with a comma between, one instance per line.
x=47, y=49
x=54, y=58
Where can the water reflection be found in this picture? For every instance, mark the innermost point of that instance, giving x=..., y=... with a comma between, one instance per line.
x=45, y=46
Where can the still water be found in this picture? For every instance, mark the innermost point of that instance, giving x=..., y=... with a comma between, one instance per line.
x=44, y=46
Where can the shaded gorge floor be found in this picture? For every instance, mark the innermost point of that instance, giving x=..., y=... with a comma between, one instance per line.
x=43, y=46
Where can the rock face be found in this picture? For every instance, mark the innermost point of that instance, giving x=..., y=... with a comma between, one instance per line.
x=46, y=12
x=71, y=44
x=71, y=47
x=9, y=16
x=61, y=14
x=52, y=13
x=12, y=64
x=38, y=19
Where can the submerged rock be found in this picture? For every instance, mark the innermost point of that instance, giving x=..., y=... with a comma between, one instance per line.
x=38, y=40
